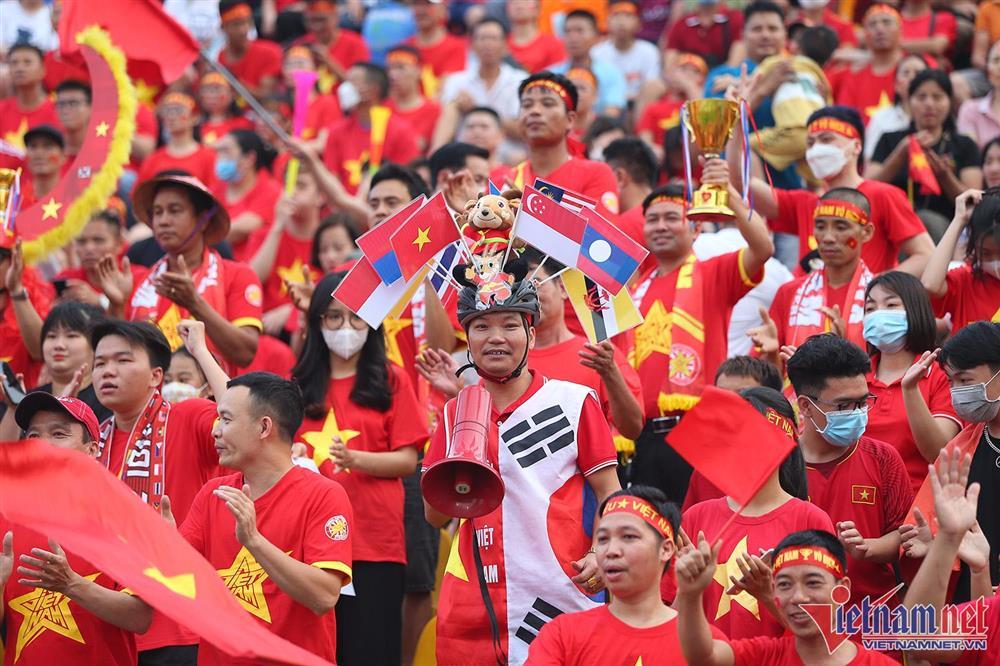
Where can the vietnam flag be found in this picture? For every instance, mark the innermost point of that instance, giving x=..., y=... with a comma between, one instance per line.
x=91, y=513
x=421, y=237
x=712, y=438
x=920, y=170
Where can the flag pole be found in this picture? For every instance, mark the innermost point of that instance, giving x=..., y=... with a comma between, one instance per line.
x=246, y=95
x=728, y=524
x=540, y=264
x=440, y=270
x=554, y=275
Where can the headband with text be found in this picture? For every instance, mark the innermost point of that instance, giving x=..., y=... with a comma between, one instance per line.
x=641, y=509
x=840, y=209
x=554, y=87
x=813, y=556
x=828, y=124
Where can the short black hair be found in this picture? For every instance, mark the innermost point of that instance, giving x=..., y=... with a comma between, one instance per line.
x=921, y=334
x=762, y=372
x=668, y=190
x=762, y=7
x=943, y=81
x=817, y=42
x=415, y=185
x=602, y=125
x=249, y=141
x=406, y=48
x=659, y=502
x=792, y=472
x=585, y=15
x=26, y=46
x=985, y=222
x=569, y=86
x=635, y=157
x=822, y=357
x=820, y=538
x=452, y=156
x=136, y=333
x=487, y=21
x=533, y=258
x=70, y=85
x=851, y=196
x=847, y=114
x=338, y=219
x=976, y=344
x=276, y=397
x=72, y=316
x=491, y=112
x=376, y=75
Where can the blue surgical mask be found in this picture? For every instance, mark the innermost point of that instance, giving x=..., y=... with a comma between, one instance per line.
x=886, y=329
x=226, y=170
x=843, y=428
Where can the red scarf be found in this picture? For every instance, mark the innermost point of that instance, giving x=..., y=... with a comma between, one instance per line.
x=142, y=467
x=805, y=318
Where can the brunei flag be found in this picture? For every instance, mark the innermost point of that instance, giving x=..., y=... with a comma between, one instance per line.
x=602, y=315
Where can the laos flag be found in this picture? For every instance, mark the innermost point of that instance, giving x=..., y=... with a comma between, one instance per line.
x=607, y=255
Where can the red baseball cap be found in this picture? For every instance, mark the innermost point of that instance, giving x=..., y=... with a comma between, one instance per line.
x=40, y=401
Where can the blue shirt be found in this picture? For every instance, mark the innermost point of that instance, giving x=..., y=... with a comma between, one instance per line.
x=611, y=90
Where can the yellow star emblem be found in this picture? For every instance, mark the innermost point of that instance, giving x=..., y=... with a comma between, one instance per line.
x=145, y=93
x=102, y=129
x=996, y=317
x=290, y=274
x=209, y=138
x=653, y=335
x=454, y=565
x=864, y=494
x=168, y=325
x=320, y=439
x=245, y=580
x=51, y=209
x=723, y=571
x=44, y=610
x=919, y=161
x=182, y=584
x=883, y=102
x=16, y=138
x=391, y=328
x=422, y=238
x=353, y=168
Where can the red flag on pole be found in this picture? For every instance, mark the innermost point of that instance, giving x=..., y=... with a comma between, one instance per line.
x=713, y=438
x=920, y=169
x=94, y=515
x=140, y=28
x=426, y=233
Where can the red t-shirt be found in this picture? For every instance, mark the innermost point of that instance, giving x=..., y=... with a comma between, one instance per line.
x=892, y=216
x=863, y=89
x=46, y=627
x=349, y=48
x=869, y=486
x=969, y=298
x=15, y=121
x=739, y=616
x=377, y=502
x=781, y=308
x=930, y=24
x=688, y=35
x=307, y=517
x=293, y=253
x=212, y=131
x=273, y=355
x=991, y=656
x=260, y=200
x=348, y=146
x=887, y=418
x=422, y=119
x=781, y=652
x=261, y=60
x=660, y=116
x=321, y=112
x=444, y=57
x=145, y=125
x=597, y=638
x=200, y=164
x=587, y=177
x=540, y=53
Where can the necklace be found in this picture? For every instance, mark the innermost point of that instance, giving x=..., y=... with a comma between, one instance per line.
x=992, y=445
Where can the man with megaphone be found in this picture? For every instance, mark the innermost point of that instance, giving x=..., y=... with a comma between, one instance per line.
x=525, y=461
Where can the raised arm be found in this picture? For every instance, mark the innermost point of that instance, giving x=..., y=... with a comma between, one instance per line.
x=936, y=271
x=28, y=320
x=695, y=572
x=192, y=332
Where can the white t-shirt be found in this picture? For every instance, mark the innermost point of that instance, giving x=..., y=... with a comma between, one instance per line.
x=640, y=63
x=18, y=25
x=501, y=97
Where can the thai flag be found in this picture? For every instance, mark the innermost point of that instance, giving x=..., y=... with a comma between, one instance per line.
x=608, y=256
x=375, y=244
x=553, y=229
x=566, y=198
x=366, y=295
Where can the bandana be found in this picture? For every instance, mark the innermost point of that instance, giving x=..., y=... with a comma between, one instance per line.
x=236, y=12
x=643, y=510
x=782, y=422
x=828, y=124
x=626, y=7
x=142, y=467
x=841, y=210
x=813, y=556
x=883, y=9
x=554, y=87
x=580, y=72
x=402, y=57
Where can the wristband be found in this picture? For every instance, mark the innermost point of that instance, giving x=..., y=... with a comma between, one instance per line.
x=20, y=296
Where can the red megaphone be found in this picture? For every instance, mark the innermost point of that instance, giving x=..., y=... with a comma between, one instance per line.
x=465, y=484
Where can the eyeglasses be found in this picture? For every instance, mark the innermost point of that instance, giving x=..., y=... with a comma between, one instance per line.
x=867, y=402
x=335, y=319
x=69, y=103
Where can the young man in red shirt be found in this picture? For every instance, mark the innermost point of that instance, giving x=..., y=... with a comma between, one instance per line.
x=54, y=613
x=835, y=140
x=45, y=157
x=686, y=304
x=30, y=106
x=279, y=534
x=533, y=50
x=181, y=151
x=156, y=448
x=926, y=29
x=808, y=566
x=441, y=52
x=337, y=49
x=403, y=65
x=635, y=544
x=349, y=148
x=73, y=105
x=871, y=87
x=860, y=482
x=255, y=62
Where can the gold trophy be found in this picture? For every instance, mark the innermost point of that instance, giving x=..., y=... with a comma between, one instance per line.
x=7, y=180
x=710, y=123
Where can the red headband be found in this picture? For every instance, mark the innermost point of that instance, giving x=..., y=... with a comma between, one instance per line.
x=695, y=61
x=641, y=509
x=175, y=97
x=813, y=556
x=554, y=87
x=666, y=198
x=626, y=7
x=580, y=72
x=840, y=209
x=828, y=124
x=320, y=6
x=236, y=12
x=782, y=422
x=883, y=9
x=402, y=57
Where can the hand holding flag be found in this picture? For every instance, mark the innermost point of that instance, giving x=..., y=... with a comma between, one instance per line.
x=921, y=172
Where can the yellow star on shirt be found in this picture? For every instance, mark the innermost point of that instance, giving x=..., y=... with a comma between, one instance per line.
x=51, y=209
x=102, y=129
x=16, y=138
x=729, y=568
x=290, y=274
x=245, y=580
x=422, y=238
x=44, y=610
x=391, y=328
x=883, y=102
x=320, y=440
x=653, y=335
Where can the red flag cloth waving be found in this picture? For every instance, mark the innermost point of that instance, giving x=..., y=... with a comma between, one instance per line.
x=140, y=28
x=730, y=443
x=920, y=169
x=89, y=512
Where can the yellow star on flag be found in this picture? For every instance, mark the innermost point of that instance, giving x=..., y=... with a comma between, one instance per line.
x=391, y=328
x=320, y=440
x=102, y=129
x=44, y=610
x=145, y=93
x=182, y=584
x=919, y=161
x=245, y=580
x=422, y=238
x=51, y=209
x=883, y=103
x=723, y=571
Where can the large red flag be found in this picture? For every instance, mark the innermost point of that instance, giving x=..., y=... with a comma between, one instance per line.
x=730, y=443
x=429, y=231
x=920, y=169
x=140, y=28
x=76, y=502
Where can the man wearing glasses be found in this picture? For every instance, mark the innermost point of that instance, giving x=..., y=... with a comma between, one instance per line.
x=860, y=482
x=73, y=108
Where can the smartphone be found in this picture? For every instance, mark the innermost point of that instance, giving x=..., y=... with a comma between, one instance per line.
x=60, y=285
x=11, y=386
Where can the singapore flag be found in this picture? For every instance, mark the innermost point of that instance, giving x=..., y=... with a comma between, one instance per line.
x=549, y=227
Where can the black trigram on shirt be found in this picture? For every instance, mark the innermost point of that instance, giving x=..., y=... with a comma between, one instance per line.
x=541, y=613
x=528, y=440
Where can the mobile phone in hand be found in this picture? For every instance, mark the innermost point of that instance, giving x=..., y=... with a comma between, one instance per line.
x=12, y=387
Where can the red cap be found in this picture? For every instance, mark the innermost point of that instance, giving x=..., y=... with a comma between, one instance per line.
x=40, y=401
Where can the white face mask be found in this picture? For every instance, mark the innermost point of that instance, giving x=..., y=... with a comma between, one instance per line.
x=813, y=4
x=991, y=268
x=348, y=96
x=825, y=160
x=175, y=392
x=345, y=342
